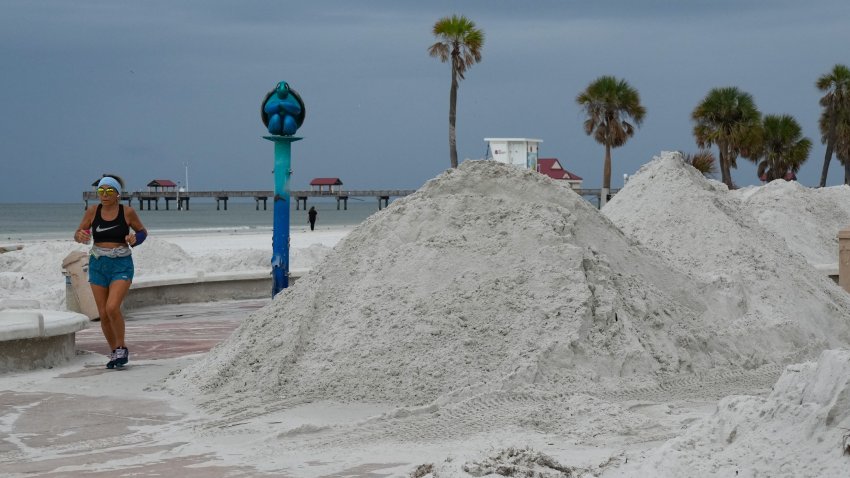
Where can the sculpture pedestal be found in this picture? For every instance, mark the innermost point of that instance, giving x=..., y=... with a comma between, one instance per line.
x=280, y=232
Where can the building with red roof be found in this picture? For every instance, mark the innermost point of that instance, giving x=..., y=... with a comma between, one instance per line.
x=329, y=182
x=552, y=167
x=162, y=185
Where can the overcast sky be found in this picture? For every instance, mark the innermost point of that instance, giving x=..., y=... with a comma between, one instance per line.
x=141, y=88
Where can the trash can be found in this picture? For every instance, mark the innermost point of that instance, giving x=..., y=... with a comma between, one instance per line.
x=78, y=294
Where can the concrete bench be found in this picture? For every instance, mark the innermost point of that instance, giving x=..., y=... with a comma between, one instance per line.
x=186, y=288
x=10, y=247
x=32, y=338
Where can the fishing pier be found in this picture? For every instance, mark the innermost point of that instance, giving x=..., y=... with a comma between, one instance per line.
x=182, y=199
x=150, y=199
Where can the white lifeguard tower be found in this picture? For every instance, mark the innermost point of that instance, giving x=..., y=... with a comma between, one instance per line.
x=519, y=152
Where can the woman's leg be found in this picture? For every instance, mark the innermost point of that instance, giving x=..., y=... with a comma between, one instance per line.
x=115, y=296
x=100, y=295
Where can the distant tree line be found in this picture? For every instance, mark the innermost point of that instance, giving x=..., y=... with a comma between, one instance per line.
x=726, y=117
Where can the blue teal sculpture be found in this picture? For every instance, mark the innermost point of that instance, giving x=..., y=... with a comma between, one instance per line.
x=283, y=113
x=283, y=110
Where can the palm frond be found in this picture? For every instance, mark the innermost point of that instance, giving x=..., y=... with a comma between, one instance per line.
x=703, y=161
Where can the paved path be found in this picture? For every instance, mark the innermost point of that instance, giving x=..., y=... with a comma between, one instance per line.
x=88, y=421
x=170, y=331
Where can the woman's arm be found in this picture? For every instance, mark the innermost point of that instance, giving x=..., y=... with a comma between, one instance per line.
x=83, y=232
x=140, y=233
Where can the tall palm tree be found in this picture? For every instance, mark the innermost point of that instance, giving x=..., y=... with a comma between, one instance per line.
x=835, y=103
x=841, y=130
x=726, y=117
x=459, y=40
x=781, y=149
x=609, y=103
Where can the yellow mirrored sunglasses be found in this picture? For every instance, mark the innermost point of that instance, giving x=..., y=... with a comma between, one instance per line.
x=106, y=191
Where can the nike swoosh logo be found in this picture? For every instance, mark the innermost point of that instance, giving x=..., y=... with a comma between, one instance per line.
x=108, y=228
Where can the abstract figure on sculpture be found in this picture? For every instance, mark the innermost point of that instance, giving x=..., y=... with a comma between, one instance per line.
x=283, y=110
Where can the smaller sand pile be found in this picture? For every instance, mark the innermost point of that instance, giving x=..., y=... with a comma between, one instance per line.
x=800, y=430
x=808, y=219
x=755, y=282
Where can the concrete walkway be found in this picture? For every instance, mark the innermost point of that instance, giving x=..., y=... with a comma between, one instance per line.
x=169, y=331
x=82, y=420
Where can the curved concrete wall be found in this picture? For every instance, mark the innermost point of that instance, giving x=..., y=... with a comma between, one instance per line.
x=191, y=288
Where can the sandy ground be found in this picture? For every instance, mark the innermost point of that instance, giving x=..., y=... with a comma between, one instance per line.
x=81, y=419
x=84, y=420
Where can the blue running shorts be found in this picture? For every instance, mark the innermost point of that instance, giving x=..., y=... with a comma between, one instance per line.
x=103, y=270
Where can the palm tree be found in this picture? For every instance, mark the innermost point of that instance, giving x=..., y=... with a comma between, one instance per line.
x=459, y=40
x=726, y=117
x=835, y=103
x=781, y=147
x=842, y=139
x=609, y=103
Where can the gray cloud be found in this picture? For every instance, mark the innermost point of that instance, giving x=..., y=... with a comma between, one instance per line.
x=142, y=87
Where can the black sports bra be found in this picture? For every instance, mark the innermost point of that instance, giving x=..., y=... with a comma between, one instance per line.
x=115, y=230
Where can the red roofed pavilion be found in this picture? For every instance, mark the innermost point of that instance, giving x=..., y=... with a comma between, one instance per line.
x=161, y=185
x=552, y=167
x=329, y=182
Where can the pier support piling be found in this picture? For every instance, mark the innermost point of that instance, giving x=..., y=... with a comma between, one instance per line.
x=343, y=199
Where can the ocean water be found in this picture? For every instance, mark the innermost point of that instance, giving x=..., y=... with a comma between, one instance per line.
x=57, y=221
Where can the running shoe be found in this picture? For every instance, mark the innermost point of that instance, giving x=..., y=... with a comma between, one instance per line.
x=122, y=356
x=111, y=363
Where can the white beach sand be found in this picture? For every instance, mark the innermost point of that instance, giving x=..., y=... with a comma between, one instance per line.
x=35, y=272
x=495, y=324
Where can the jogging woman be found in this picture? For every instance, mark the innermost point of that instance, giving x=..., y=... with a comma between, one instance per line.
x=113, y=227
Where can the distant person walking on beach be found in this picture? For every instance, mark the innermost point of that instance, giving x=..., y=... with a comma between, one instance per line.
x=111, y=260
x=311, y=215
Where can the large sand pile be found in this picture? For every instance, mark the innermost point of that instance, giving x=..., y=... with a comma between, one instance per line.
x=491, y=278
x=808, y=219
